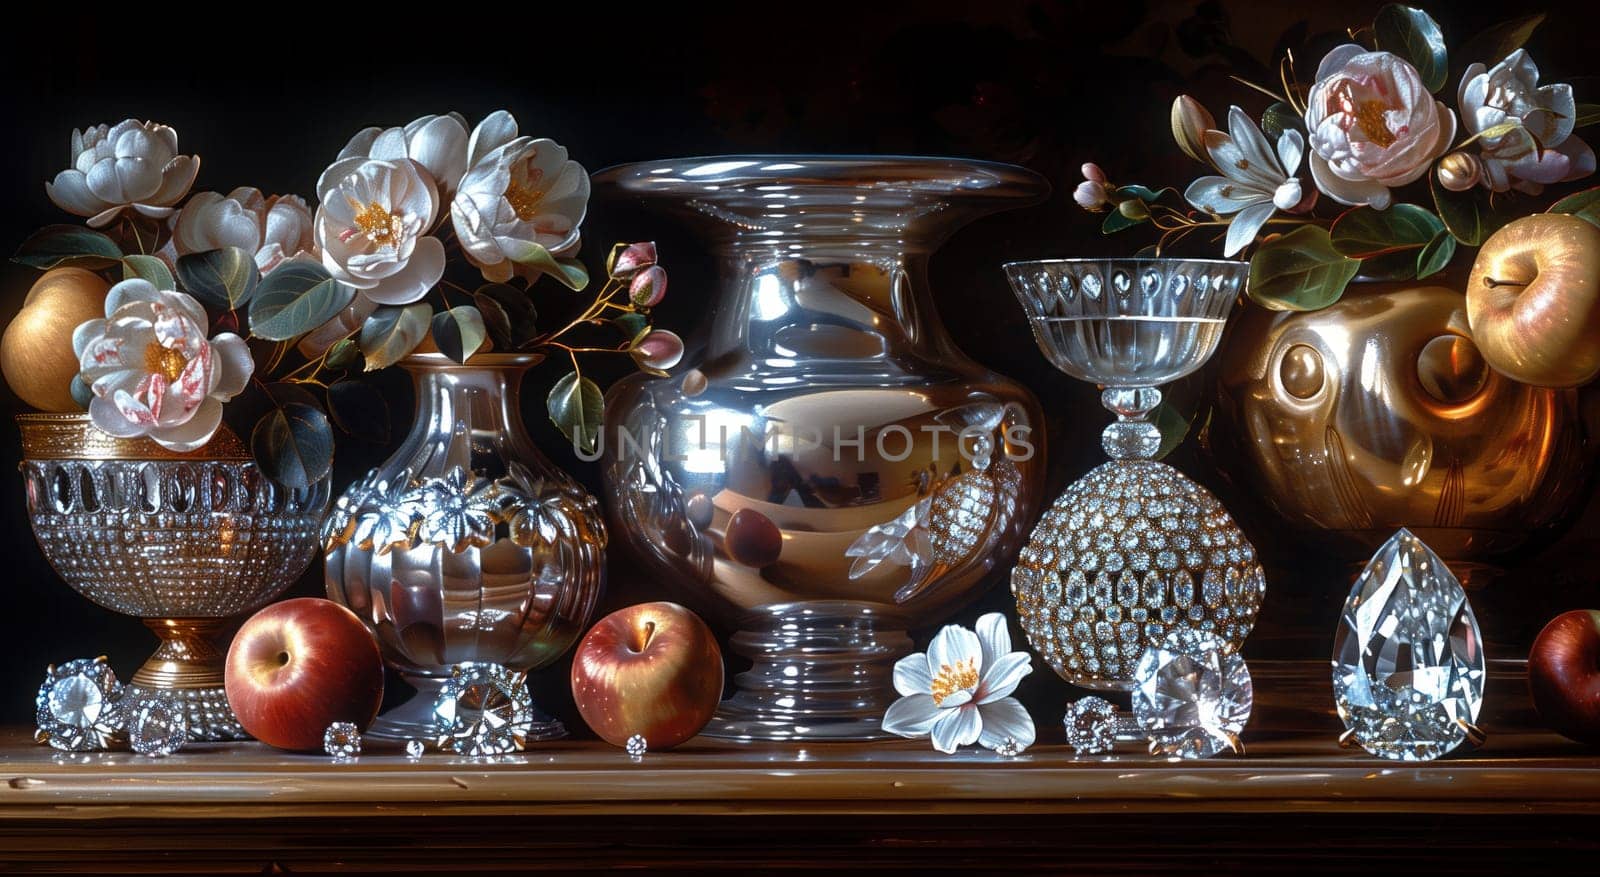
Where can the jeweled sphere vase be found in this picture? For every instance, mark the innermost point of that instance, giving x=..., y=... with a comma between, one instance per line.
x=466, y=545
x=185, y=542
x=1134, y=549
x=831, y=470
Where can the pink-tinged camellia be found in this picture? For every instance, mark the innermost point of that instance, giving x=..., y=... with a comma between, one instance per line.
x=131, y=165
x=520, y=199
x=1372, y=126
x=660, y=349
x=1542, y=148
x=372, y=225
x=273, y=230
x=152, y=370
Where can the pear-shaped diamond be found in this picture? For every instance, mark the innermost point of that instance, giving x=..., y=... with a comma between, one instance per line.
x=1408, y=664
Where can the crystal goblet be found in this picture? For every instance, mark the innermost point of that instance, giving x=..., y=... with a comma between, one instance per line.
x=1134, y=548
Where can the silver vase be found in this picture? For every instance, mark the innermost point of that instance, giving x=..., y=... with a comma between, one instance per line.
x=831, y=471
x=467, y=545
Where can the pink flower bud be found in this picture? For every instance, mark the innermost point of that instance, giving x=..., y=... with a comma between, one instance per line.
x=1090, y=195
x=1093, y=173
x=634, y=257
x=649, y=287
x=660, y=349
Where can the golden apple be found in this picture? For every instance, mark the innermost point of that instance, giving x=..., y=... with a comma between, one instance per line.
x=1533, y=300
x=36, y=352
x=653, y=670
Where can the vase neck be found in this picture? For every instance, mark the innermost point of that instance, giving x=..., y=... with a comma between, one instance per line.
x=467, y=415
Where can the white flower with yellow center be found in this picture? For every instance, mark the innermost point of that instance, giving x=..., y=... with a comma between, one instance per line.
x=959, y=692
x=152, y=370
x=520, y=197
x=372, y=226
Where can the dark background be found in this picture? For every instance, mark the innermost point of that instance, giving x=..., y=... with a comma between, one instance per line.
x=270, y=101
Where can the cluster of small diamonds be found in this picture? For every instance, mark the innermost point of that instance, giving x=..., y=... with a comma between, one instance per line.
x=1128, y=552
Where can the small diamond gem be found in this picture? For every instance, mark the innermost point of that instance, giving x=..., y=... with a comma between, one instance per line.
x=1008, y=748
x=77, y=706
x=1191, y=699
x=1091, y=725
x=414, y=749
x=637, y=746
x=157, y=725
x=342, y=741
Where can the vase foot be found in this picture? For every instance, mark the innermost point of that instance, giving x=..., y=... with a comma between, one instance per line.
x=189, y=666
x=210, y=718
x=821, y=671
x=414, y=719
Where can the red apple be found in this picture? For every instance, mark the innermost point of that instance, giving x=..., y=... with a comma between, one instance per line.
x=297, y=667
x=653, y=669
x=1564, y=674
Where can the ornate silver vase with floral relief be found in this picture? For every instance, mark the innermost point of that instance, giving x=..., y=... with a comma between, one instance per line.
x=1134, y=549
x=467, y=545
x=830, y=471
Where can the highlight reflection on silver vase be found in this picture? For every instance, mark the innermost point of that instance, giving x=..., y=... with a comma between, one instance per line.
x=466, y=545
x=832, y=471
x=1134, y=548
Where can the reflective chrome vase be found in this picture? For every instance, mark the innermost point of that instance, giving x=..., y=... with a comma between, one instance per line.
x=187, y=542
x=832, y=471
x=467, y=545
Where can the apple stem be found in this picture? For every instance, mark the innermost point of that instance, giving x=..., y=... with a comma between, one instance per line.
x=649, y=633
x=1492, y=282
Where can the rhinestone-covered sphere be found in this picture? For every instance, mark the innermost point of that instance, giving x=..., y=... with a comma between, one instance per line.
x=1091, y=724
x=1129, y=552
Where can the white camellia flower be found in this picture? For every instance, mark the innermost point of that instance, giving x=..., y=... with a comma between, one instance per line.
x=372, y=226
x=1372, y=126
x=273, y=230
x=438, y=143
x=959, y=692
x=152, y=370
x=518, y=192
x=131, y=164
x=1254, y=184
x=1543, y=150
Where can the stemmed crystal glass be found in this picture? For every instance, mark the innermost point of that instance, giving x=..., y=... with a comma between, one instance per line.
x=1134, y=549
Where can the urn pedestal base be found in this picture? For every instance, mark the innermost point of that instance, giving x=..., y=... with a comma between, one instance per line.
x=821, y=671
x=188, y=666
x=414, y=719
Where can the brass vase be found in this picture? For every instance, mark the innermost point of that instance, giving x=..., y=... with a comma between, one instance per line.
x=187, y=542
x=830, y=471
x=1379, y=413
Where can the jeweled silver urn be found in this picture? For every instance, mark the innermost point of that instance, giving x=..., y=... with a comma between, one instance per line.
x=830, y=471
x=467, y=545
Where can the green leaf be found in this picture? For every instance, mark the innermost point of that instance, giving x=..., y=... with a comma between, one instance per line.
x=1585, y=205
x=1400, y=265
x=1436, y=255
x=294, y=299
x=293, y=445
x=1415, y=36
x=570, y=272
x=148, y=268
x=573, y=274
x=1142, y=193
x=1493, y=45
x=1587, y=114
x=359, y=410
x=459, y=332
x=56, y=245
x=1278, y=118
x=508, y=314
x=1300, y=271
x=343, y=354
x=391, y=333
x=1468, y=215
x=225, y=279
x=1364, y=232
x=578, y=409
x=633, y=326
x=1116, y=221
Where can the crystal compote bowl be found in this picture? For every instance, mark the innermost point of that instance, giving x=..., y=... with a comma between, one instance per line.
x=1134, y=548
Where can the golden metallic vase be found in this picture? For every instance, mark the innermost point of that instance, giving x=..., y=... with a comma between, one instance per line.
x=184, y=541
x=1379, y=413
